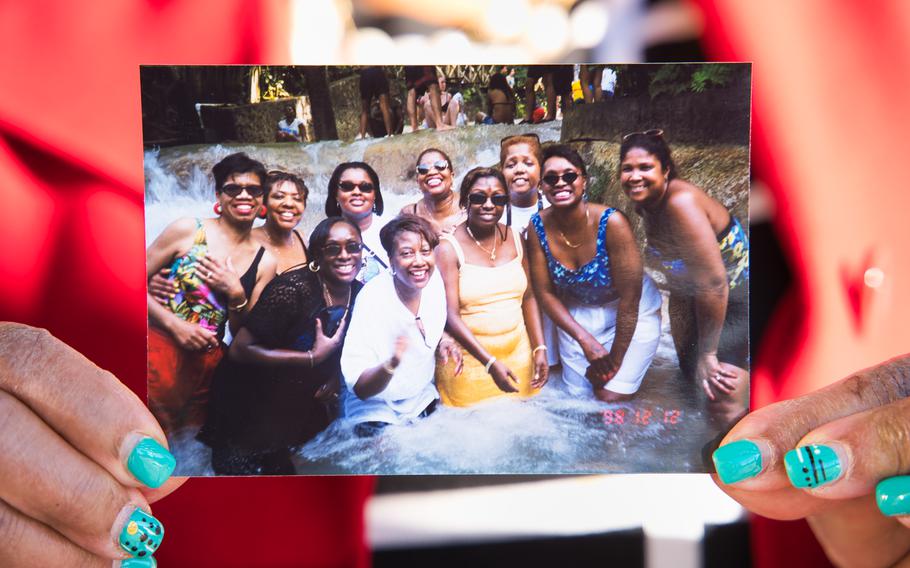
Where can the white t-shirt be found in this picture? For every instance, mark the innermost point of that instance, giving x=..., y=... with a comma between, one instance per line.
x=292, y=128
x=521, y=216
x=378, y=319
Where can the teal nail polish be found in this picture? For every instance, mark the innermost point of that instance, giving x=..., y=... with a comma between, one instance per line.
x=147, y=562
x=893, y=495
x=150, y=463
x=811, y=466
x=142, y=534
x=737, y=461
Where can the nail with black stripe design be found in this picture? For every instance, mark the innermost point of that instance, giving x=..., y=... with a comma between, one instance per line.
x=811, y=466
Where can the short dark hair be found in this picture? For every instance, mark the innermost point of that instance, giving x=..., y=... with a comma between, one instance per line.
x=567, y=153
x=331, y=201
x=277, y=176
x=652, y=144
x=406, y=223
x=438, y=151
x=320, y=235
x=238, y=163
x=471, y=178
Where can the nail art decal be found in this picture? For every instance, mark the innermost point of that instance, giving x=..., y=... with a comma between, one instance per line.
x=811, y=466
x=151, y=463
x=142, y=534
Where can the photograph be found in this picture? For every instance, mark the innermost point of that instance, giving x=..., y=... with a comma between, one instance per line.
x=447, y=269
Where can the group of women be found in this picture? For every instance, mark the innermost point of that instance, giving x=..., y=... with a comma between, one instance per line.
x=460, y=298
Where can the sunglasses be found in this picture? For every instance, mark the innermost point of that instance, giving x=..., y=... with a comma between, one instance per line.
x=233, y=190
x=553, y=179
x=654, y=133
x=440, y=165
x=525, y=135
x=499, y=199
x=333, y=250
x=348, y=186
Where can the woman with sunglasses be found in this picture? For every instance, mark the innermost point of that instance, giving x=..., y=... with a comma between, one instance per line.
x=704, y=253
x=354, y=194
x=284, y=202
x=218, y=271
x=389, y=357
x=277, y=387
x=439, y=204
x=491, y=307
x=588, y=276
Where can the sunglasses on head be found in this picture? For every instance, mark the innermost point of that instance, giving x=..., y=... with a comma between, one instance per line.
x=333, y=250
x=654, y=133
x=440, y=165
x=553, y=179
x=233, y=190
x=348, y=186
x=499, y=199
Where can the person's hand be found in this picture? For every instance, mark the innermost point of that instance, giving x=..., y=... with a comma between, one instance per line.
x=79, y=456
x=541, y=369
x=220, y=276
x=398, y=351
x=191, y=336
x=162, y=289
x=715, y=378
x=323, y=345
x=504, y=378
x=448, y=349
x=839, y=456
x=601, y=368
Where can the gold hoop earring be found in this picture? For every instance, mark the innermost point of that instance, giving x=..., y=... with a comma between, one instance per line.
x=313, y=266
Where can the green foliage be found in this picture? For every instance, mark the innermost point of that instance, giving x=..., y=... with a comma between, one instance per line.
x=671, y=79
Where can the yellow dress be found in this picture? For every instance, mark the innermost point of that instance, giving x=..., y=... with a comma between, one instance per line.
x=490, y=305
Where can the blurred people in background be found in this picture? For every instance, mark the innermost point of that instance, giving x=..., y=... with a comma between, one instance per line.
x=374, y=85
x=419, y=80
x=500, y=100
x=290, y=128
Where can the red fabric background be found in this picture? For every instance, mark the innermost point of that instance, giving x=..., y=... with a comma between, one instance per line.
x=73, y=242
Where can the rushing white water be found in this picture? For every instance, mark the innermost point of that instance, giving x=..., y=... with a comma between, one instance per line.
x=663, y=429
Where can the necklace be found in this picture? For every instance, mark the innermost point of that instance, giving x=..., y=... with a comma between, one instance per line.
x=563, y=235
x=480, y=246
x=327, y=296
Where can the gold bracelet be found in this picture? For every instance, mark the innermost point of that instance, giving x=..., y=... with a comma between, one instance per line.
x=538, y=348
x=489, y=364
x=240, y=307
x=388, y=368
x=312, y=359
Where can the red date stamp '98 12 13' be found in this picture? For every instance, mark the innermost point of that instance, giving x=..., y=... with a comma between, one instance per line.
x=641, y=417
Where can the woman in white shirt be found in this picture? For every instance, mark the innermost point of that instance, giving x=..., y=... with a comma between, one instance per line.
x=389, y=357
x=354, y=194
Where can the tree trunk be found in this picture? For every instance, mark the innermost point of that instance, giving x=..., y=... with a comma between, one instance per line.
x=321, y=103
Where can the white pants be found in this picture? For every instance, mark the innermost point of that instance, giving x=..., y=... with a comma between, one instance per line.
x=600, y=321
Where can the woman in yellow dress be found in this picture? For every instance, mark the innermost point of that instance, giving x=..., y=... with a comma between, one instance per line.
x=492, y=311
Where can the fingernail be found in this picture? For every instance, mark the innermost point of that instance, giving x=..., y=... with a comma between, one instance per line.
x=737, y=461
x=147, y=562
x=142, y=534
x=811, y=466
x=893, y=495
x=151, y=463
